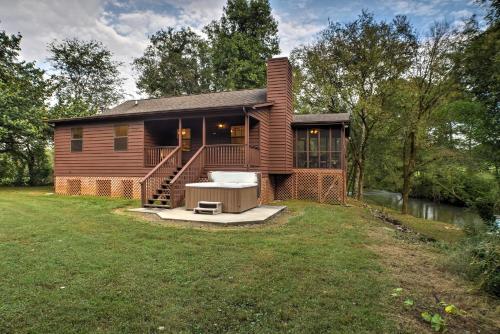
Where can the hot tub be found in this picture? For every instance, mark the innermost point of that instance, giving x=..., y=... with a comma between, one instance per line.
x=236, y=190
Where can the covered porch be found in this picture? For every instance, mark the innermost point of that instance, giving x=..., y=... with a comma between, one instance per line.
x=228, y=141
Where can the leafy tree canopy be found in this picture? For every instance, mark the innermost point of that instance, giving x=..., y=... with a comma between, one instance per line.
x=174, y=63
x=241, y=42
x=86, y=77
x=23, y=131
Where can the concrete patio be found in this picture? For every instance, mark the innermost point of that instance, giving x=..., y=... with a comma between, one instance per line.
x=256, y=215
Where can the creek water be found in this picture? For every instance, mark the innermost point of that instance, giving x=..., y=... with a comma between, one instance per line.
x=422, y=208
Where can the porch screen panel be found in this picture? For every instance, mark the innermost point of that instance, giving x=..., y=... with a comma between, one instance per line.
x=301, y=148
x=335, y=161
x=318, y=147
x=313, y=148
x=324, y=147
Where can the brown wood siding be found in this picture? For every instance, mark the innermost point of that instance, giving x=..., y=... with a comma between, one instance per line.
x=253, y=137
x=279, y=91
x=263, y=117
x=98, y=157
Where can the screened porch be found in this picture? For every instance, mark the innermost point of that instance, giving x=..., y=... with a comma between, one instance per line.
x=319, y=147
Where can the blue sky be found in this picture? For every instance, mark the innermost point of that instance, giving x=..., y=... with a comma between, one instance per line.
x=123, y=26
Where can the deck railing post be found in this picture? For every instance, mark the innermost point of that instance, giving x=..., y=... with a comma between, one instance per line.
x=247, y=140
x=179, y=139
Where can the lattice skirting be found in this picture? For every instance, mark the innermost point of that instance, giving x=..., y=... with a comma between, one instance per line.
x=321, y=185
x=127, y=187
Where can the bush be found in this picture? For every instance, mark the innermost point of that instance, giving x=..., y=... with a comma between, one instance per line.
x=478, y=258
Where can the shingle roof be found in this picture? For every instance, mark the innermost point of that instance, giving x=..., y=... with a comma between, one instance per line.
x=189, y=102
x=239, y=98
x=320, y=118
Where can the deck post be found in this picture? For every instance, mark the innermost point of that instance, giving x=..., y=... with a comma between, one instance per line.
x=204, y=132
x=247, y=140
x=342, y=161
x=179, y=140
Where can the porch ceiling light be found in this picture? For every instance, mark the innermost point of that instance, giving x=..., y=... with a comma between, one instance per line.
x=221, y=125
x=314, y=131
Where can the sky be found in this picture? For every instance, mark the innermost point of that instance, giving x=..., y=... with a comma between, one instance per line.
x=124, y=26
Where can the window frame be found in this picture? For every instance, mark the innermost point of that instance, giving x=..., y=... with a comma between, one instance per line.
x=236, y=139
x=115, y=137
x=186, y=144
x=73, y=139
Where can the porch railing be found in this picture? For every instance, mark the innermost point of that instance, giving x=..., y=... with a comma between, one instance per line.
x=225, y=155
x=191, y=172
x=153, y=180
x=153, y=155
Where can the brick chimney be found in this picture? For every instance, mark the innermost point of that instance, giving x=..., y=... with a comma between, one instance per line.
x=279, y=91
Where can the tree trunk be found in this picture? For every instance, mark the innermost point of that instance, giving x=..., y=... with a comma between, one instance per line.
x=351, y=177
x=360, y=162
x=361, y=172
x=409, y=157
x=30, y=163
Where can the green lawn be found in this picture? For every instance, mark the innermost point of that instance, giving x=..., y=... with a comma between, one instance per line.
x=72, y=264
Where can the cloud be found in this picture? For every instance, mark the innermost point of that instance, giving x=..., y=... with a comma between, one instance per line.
x=124, y=25
x=124, y=31
x=293, y=32
x=416, y=7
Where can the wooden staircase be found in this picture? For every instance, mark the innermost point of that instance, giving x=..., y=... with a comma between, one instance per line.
x=164, y=186
x=161, y=198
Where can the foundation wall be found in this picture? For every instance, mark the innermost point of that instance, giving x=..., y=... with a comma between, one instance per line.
x=126, y=187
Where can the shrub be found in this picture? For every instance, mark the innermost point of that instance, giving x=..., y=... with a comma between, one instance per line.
x=478, y=258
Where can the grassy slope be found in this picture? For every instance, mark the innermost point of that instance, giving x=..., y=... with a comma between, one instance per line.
x=125, y=275
x=433, y=229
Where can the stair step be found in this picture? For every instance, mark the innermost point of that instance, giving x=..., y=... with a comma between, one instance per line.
x=156, y=197
x=158, y=200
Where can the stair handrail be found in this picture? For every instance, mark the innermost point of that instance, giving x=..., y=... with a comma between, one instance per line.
x=151, y=182
x=155, y=168
x=174, y=184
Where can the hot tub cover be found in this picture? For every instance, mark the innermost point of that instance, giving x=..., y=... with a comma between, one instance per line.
x=233, y=177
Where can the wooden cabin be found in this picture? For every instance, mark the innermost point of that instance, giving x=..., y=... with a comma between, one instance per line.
x=151, y=148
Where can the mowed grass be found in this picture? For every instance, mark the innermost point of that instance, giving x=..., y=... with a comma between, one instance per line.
x=74, y=265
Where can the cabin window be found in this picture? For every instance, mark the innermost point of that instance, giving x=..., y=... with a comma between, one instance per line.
x=318, y=148
x=121, y=137
x=186, y=139
x=76, y=139
x=238, y=134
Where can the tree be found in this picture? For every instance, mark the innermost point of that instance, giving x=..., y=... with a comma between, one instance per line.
x=175, y=63
x=240, y=44
x=417, y=99
x=349, y=69
x=23, y=132
x=86, y=77
x=477, y=68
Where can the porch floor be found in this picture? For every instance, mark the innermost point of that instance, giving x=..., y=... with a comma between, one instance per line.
x=256, y=215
